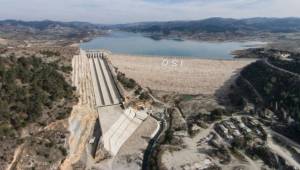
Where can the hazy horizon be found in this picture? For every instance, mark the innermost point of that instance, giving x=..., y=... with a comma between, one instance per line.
x=13, y=19
x=131, y=11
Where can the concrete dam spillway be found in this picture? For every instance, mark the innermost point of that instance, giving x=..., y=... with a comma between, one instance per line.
x=104, y=87
x=100, y=91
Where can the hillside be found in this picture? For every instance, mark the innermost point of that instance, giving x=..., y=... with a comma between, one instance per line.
x=222, y=28
x=35, y=96
x=273, y=85
x=47, y=30
x=215, y=25
x=207, y=29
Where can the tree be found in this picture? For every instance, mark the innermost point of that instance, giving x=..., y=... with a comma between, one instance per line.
x=217, y=114
x=4, y=110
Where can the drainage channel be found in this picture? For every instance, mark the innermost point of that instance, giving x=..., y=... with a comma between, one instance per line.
x=153, y=142
x=97, y=133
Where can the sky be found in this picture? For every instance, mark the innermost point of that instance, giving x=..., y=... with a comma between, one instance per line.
x=129, y=11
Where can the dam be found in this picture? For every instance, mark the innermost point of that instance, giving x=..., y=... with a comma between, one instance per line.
x=96, y=83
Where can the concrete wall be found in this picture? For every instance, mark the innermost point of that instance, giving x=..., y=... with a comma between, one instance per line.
x=120, y=131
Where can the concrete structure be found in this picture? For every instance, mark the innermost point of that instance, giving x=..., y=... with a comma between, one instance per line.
x=105, y=88
x=82, y=80
x=116, y=124
x=122, y=129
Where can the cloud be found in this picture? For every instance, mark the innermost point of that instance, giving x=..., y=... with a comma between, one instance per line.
x=123, y=11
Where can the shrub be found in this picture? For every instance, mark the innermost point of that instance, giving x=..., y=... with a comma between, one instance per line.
x=126, y=82
x=49, y=53
x=63, y=150
x=28, y=86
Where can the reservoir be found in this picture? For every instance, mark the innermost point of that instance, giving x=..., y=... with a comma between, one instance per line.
x=137, y=44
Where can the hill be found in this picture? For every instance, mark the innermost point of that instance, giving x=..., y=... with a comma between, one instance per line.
x=207, y=29
x=215, y=25
x=47, y=30
x=215, y=28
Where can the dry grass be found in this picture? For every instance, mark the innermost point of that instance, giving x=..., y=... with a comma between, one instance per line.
x=193, y=76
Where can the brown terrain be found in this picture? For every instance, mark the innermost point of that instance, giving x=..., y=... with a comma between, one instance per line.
x=189, y=76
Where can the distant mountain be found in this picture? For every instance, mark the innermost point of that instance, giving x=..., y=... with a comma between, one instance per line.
x=207, y=29
x=217, y=25
x=47, y=29
x=47, y=24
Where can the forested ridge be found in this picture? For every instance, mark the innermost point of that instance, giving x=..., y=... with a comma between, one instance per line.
x=28, y=88
x=280, y=91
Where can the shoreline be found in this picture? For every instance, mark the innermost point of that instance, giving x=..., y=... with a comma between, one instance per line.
x=210, y=39
x=181, y=57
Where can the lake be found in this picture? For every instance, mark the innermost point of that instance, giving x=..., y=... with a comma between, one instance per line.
x=137, y=44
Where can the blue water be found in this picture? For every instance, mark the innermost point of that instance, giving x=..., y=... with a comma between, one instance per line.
x=137, y=44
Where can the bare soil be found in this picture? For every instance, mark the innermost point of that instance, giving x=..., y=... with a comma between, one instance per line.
x=3, y=41
x=189, y=76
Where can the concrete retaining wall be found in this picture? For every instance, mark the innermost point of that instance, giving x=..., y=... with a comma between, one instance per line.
x=120, y=131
